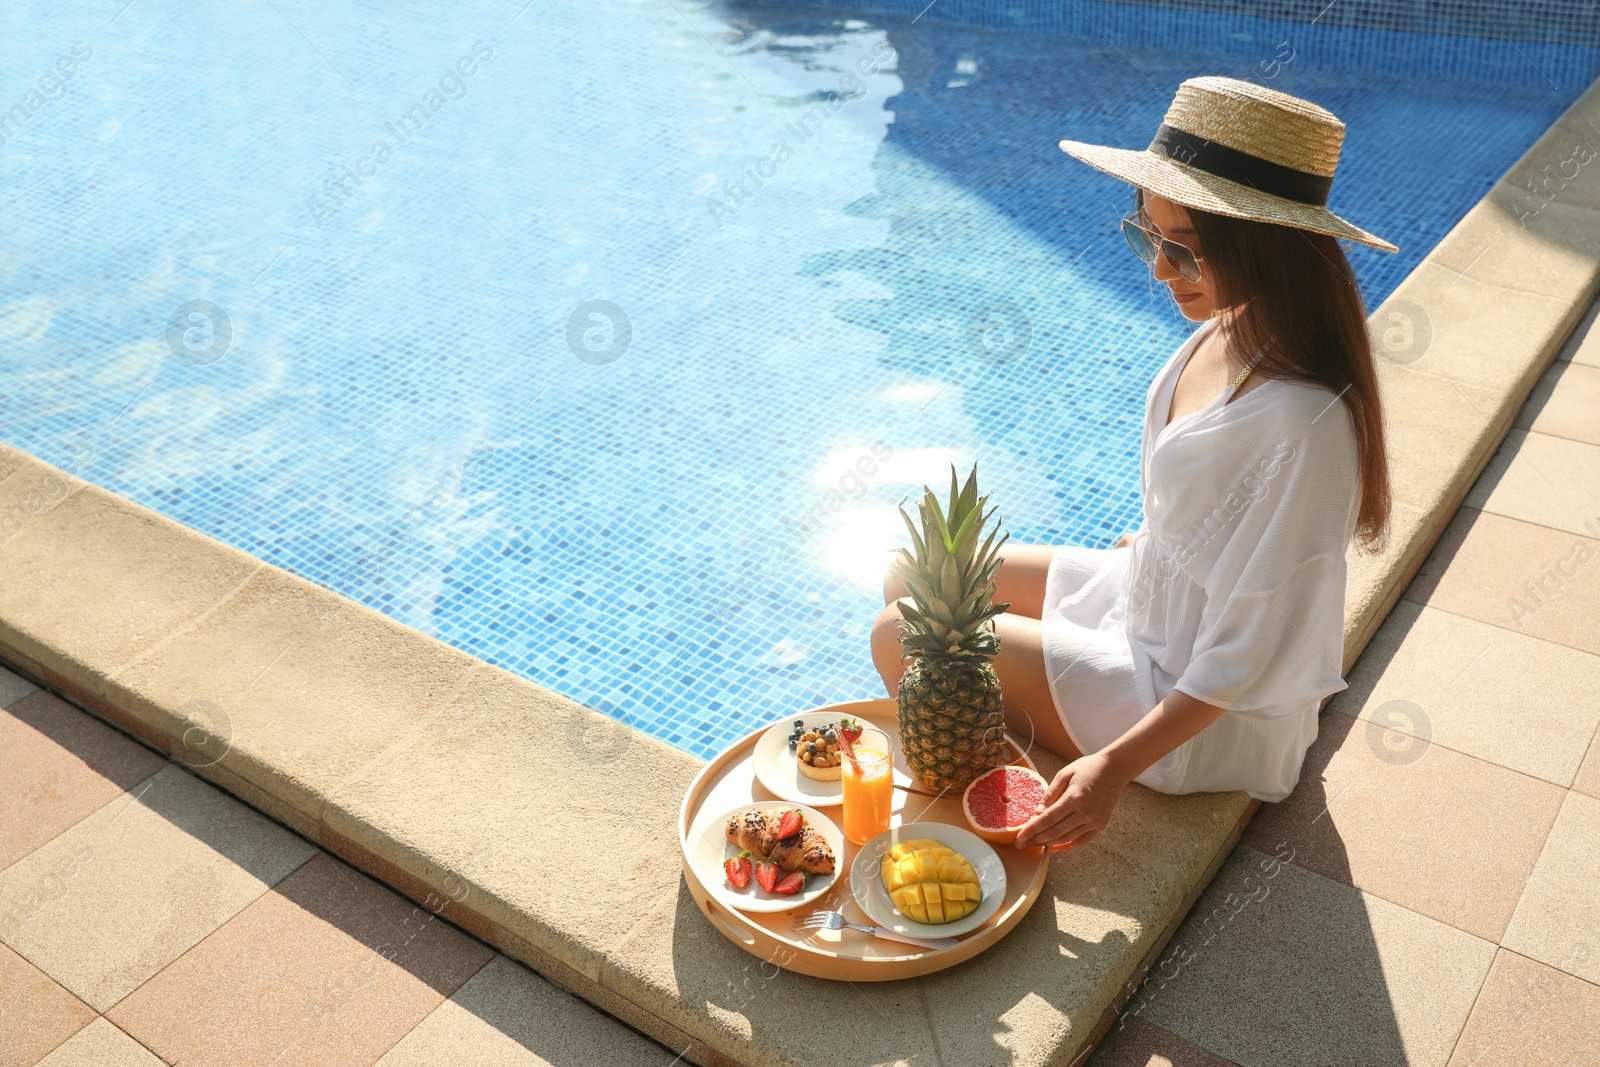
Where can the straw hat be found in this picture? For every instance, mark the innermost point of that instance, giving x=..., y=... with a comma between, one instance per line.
x=1236, y=148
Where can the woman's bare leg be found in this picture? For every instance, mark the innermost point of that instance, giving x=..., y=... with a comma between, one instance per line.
x=1024, y=687
x=1018, y=581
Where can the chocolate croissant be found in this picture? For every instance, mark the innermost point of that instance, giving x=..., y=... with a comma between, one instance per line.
x=755, y=830
x=806, y=851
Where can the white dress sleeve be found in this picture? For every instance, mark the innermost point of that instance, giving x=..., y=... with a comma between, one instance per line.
x=1272, y=630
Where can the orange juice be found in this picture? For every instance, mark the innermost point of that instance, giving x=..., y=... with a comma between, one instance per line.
x=868, y=783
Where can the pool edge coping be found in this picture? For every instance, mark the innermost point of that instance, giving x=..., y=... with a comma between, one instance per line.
x=1522, y=304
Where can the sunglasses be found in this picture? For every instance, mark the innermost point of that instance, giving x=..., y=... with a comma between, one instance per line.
x=1144, y=244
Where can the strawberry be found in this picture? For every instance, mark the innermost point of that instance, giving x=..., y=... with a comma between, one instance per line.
x=791, y=883
x=790, y=824
x=738, y=869
x=766, y=874
x=849, y=731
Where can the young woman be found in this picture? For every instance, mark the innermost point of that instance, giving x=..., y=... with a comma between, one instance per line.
x=1195, y=654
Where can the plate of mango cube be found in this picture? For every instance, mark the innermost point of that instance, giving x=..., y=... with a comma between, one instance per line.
x=928, y=879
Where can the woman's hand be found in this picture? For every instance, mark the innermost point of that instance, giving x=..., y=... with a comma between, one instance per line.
x=1078, y=805
x=1082, y=796
x=1125, y=540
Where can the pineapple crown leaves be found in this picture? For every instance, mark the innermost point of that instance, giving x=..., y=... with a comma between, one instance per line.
x=950, y=576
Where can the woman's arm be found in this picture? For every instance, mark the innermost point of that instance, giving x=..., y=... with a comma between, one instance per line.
x=1086, y=790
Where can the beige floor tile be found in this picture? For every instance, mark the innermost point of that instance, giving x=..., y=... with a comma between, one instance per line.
x=330, y=968
x=106, y=578
x=519, y=868
x=1133, y=1042
x=100, y=1044
x=1538, y=478
x=1565, y=403
x=1501, y=696
x=507, y=1016
x=1515, y=574
x=1446, y=835
x=1557, y=921
x=111, y=901
x=59, y=765
x=36, y=1014
x=1583, y=346
x=1576, y=126
x=1280, y=967
x=1530, y=1015
x=13, y=687
x=1588, y=780
x=1552, y=250
x=1434, y=424
x=293, y=727
x=1488, y=330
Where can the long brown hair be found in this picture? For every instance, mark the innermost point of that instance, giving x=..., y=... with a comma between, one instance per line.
x=1295, y=287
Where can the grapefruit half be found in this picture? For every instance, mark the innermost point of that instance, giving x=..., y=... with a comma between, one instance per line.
x=999, y=802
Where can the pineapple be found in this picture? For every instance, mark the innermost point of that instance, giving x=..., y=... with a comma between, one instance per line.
x=930, y=882
x=952, y=727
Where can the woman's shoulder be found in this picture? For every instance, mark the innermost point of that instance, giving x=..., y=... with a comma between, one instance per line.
x=1312, y=422
x=1310, y=407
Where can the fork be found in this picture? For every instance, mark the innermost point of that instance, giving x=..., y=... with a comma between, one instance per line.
x=833, y=920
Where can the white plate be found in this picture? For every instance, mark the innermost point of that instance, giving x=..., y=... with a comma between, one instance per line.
x=779, y=771
x=709, y=847
x=867, y=886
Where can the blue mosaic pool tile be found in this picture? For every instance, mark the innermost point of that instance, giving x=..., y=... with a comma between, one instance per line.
x=1520, y=42
x=1545, y=21
x=673, y=537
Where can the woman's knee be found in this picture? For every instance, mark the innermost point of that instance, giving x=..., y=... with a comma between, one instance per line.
x=893, y=587
x=886, y=647
x=1021, y=577
x=886, y=625
x=1019, y=580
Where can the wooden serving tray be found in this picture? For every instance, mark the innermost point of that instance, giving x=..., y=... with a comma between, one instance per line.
x=729, y=780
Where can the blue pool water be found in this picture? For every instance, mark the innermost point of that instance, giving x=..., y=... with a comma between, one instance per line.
x=404, y=372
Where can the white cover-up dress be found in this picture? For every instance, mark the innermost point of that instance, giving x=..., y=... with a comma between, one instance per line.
x=1232, y=590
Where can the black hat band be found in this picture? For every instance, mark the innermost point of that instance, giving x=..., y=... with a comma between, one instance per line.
x=1260, y=174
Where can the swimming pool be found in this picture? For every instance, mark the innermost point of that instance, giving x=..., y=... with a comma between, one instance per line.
x=611, y=364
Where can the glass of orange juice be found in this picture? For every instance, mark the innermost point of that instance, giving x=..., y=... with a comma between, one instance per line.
x=868, y=780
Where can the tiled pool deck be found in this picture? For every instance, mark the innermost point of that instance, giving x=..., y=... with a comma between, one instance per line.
x=1427, y=896
x=148, y=917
